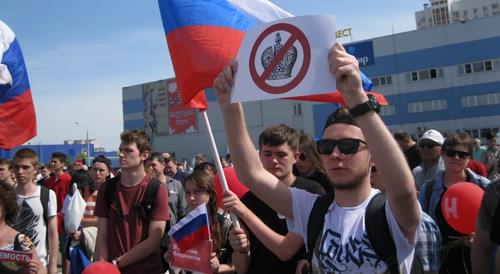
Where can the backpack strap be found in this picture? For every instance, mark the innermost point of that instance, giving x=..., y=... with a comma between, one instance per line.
x=110, y=195
x=316, y=222
x=148, y=202
x=379, y=234
x=44, y=199
x=428, y=195
x=495, y=226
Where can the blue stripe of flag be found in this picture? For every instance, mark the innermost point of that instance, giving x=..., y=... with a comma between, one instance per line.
x=192, y=226
x=184, y=13
x=13, y=59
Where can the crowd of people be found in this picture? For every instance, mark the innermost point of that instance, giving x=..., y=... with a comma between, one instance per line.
x=359, y=200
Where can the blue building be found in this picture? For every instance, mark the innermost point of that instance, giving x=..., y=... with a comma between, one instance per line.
x=71, y=150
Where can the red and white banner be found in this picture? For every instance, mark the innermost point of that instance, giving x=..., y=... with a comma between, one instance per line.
x=181, y=119
x=196, y=259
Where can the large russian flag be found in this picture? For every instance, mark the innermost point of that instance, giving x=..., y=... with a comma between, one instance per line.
x=17, y=112
x=203, y=35
x=191, y=230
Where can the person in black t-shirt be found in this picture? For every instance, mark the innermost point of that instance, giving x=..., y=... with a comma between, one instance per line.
x=278, y=151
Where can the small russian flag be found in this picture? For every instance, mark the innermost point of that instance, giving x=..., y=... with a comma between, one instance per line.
x=191, y=230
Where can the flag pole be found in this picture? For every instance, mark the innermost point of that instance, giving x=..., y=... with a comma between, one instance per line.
x=215, y=154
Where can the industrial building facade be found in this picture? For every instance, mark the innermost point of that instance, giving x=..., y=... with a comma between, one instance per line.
x=446, y=77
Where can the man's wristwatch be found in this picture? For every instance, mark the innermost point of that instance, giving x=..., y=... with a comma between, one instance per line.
x=371, y=105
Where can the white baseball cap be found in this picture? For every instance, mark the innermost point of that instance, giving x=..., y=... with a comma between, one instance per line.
x=434, y=136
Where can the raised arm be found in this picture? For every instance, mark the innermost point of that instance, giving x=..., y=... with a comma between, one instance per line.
x=390, y=161
x=282, y=246
x=245, y=158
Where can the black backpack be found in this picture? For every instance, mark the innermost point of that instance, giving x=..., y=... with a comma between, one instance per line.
x=495, y=226
x=377, y=230
x=145, y=206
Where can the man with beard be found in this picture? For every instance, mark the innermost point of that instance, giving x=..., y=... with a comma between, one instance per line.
x=350, y=144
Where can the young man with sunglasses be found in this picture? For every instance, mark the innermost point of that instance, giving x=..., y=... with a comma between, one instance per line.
x=457, y=150
x=430, y=151
x=347, y=159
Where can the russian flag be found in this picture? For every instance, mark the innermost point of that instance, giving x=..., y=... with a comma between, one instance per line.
x=191, y=230
x=17, y=112
x=203, y=35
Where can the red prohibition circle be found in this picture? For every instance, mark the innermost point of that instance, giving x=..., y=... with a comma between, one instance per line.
x=296, y=34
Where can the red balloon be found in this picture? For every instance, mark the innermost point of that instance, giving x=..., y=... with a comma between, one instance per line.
x=460, y=206
x=232, y=182
x=101, y=268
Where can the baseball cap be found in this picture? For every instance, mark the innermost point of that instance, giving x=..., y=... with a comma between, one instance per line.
x=101, y=268
x=434, y=136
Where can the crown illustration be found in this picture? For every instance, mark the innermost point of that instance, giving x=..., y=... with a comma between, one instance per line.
x=284, y=68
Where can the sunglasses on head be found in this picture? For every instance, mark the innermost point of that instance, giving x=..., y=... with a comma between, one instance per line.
x=428, y=145
x=346, y=146
x=453, y=153
x=302, y=156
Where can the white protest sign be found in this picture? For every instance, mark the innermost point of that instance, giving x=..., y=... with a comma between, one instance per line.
x=285, y=58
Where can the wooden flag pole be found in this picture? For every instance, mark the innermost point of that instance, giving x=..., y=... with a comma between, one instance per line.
x=215, y=154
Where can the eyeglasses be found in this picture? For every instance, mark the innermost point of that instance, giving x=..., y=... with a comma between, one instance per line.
x=346, y=146
x=302, y=157
x=428, y=145
x=453, y=153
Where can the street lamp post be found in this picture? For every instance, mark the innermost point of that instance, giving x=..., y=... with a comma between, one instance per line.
x=88, y=143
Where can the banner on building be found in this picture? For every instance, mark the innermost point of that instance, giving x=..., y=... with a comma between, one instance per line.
x=154, y=97
x=181, y=119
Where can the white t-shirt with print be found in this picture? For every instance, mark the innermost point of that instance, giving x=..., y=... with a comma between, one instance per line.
x=345, y=247
x=30, y=220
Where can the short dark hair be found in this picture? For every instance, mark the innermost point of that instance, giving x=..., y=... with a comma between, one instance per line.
x=139, y=137
x=59, y=156
x=340, y=116
x=207, y=167
x=8, y=201
x=82, y=179
x=27, y=153
x=458, y=138
x=158, y=157
x=490, y=135
x=104, y=160
x=7, y=162
x=278, y=135
x=402, y=136
x=170, y=159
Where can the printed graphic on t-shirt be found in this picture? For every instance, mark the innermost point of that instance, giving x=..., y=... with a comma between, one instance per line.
x=351, y=257
x=27, y=222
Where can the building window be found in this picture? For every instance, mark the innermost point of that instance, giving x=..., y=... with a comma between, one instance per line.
x=488, y=66
x=426, y=106
x=297, y=109
x=387, y=110
x=414, y=76
x=480, y=100
x=425, y=74
x=382, y=80
x=468, y=68
x=478, y=67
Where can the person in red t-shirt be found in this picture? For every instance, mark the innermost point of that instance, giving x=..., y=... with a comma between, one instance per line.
x=60, y=180
x=123, y=237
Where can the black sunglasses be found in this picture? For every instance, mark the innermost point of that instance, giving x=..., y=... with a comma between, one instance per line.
x=461, y=154
x=428, y=145
x=302, y=156
x=346, y=146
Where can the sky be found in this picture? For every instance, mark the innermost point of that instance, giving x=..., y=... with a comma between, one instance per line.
x=80, y=54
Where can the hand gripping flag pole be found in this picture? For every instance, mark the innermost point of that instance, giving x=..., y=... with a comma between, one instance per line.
x=215, y=154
